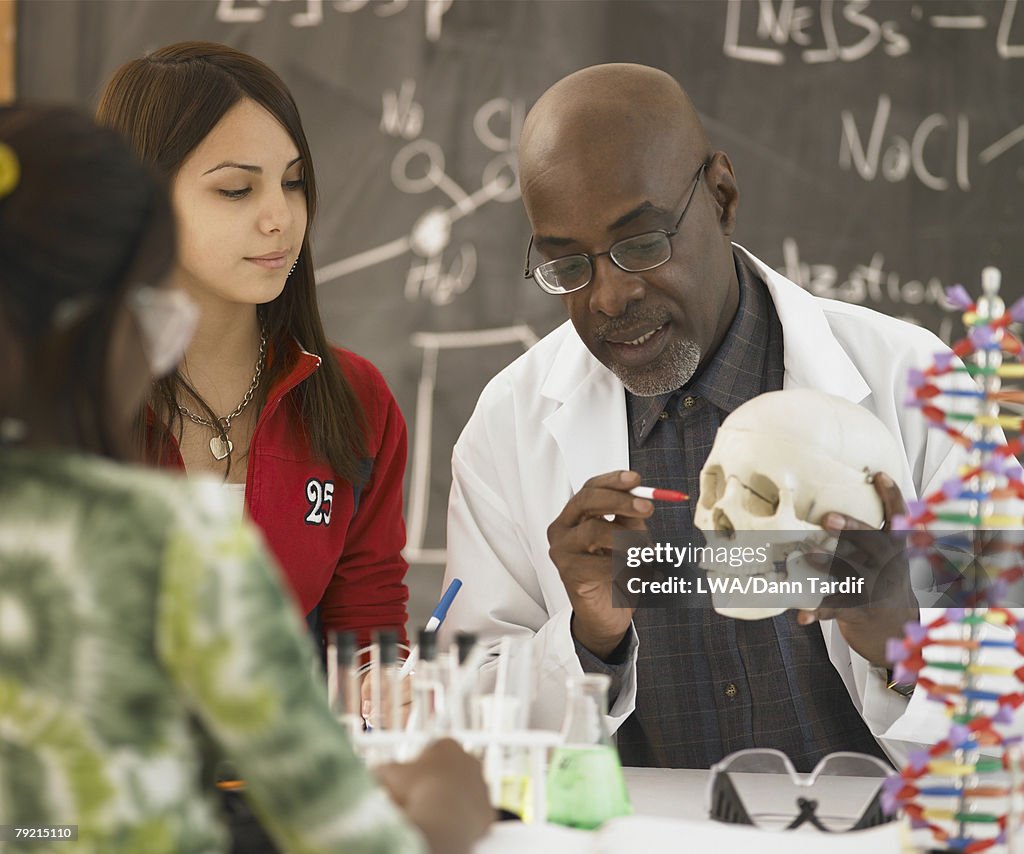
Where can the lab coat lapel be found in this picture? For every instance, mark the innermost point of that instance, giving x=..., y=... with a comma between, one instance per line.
x=589, y=423
x=813, y=356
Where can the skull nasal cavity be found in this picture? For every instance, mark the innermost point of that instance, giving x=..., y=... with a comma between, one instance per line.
x=722, y=522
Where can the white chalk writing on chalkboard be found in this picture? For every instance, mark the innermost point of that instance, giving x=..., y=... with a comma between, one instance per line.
x=905, y=155
x=757, y=30
x=254, y=11
x=866, y=283
x=1002, y=145
x=419, y=167
x=401, y=115
x=902, y=156
x=1003, y=46
x=808, y=23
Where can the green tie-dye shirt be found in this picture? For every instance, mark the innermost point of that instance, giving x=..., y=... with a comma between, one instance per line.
x=144, y=634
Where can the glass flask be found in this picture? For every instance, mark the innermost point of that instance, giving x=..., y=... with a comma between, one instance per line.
x=585, y=785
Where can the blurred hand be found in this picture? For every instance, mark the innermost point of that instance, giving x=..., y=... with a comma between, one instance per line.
x=867, y=620
x=443, y=793
x=580, y=545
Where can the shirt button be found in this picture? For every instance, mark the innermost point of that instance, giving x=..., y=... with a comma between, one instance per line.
x=689, y=401
x=730, y=691
x=663, y=416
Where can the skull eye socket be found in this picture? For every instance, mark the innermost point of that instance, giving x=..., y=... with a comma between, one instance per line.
x=712, y=485
x=762, y=496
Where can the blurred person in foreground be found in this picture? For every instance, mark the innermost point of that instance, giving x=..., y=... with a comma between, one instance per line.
x=144, y=635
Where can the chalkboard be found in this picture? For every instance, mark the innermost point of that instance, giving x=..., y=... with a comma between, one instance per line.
x=879, y=149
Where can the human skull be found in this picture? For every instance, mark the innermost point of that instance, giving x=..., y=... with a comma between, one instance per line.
x=781, y=461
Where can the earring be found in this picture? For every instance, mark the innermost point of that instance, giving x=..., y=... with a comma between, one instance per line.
x=292, y=270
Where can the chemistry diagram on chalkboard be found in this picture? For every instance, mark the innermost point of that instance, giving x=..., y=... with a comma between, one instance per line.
x=419, y=169
x=440, y=269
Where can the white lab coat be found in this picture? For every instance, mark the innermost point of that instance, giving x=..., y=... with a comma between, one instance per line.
x=556, y=417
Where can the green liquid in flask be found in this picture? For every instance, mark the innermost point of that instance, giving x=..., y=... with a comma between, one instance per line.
x=585, y=786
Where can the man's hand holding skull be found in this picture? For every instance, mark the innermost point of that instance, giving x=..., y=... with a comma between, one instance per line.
x=868, y=619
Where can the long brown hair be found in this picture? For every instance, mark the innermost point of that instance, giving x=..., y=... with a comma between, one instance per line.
x=166, y=103
x=82, y=226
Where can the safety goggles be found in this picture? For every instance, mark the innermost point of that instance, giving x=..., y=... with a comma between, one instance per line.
x=759, y=786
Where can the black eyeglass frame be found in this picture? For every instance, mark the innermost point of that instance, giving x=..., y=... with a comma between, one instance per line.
x=610, y=252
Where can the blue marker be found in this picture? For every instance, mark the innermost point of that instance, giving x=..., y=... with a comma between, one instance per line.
x=441, y=611
x=436, y=618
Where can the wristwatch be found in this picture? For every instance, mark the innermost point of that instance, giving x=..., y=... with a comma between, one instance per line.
x=904, y=689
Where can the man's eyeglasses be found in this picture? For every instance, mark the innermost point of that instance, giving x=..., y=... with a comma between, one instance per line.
x=635, y=254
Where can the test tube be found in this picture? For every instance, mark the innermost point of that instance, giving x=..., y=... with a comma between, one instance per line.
x=375, y=684
x=332, y=673
x=348, y=676
x=428, y=645
x=388, y=641
x=464, y=641
x=463, y=681
x=424, y=686
x=342, y=678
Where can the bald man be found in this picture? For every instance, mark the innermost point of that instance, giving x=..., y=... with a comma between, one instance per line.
x=671, y=327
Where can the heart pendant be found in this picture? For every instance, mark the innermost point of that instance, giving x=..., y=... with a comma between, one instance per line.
x=220, y=447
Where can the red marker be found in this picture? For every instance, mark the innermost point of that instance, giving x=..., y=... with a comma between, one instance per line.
x=652, y=494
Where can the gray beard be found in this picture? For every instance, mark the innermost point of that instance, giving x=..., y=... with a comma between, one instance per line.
x=675, y=367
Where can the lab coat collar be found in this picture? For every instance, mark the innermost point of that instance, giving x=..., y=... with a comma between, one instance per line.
x=812, y=354
x=590, y=425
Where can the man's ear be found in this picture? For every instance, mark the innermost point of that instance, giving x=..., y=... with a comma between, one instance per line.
x=722, y=183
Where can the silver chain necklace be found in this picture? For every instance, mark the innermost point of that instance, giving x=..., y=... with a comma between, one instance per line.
x=220, y=445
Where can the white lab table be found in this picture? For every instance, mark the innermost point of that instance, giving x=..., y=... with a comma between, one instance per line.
x=669, y=815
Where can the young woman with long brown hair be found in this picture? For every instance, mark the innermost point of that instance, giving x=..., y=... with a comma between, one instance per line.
x=308, y=433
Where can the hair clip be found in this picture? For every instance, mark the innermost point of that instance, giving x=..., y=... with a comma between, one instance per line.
x=10, y=170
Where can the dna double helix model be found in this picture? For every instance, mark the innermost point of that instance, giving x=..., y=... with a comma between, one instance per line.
x=967, y=790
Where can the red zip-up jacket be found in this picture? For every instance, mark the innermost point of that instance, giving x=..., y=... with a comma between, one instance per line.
x=340, y=547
